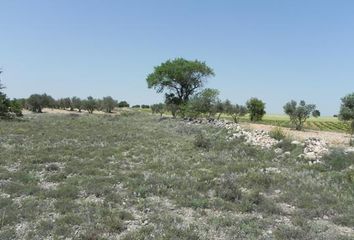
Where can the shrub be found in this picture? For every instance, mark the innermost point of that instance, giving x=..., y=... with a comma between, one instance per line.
x=277, y=133
x=202, y=141
x=145, y=106
x=229, y=190
x=16, y=108
x=256, y=109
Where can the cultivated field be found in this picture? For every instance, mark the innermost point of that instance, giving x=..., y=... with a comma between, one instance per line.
x=320, y=123
x=135, y=176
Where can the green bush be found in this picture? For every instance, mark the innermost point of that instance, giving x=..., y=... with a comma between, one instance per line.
x=256, y=109
x=277, y=133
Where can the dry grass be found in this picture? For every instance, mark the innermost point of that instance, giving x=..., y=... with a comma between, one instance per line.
x=132, y=176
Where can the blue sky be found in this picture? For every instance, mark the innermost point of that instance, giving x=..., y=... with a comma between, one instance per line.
x=276, y=50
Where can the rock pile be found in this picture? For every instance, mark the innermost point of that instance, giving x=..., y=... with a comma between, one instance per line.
x=314, y=149
x=257, y=138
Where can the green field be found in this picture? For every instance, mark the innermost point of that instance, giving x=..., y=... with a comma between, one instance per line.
x=135, y=176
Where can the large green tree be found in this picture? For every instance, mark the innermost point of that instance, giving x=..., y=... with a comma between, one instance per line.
x=180, y=77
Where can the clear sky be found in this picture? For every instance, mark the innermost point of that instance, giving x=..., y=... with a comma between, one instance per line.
x=276, y=50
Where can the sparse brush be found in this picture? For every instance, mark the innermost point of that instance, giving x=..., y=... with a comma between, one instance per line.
x=202, y=141
x=277, y=133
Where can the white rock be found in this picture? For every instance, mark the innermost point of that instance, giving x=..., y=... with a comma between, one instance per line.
x=278, y=151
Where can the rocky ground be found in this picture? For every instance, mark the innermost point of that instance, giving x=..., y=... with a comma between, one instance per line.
x=335, y=139
x=314, y=148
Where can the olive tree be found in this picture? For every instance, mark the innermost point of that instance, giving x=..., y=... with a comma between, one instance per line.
x=236, y=111
x=203, y=103
x=159, y=108
x=256, y=109
x=36, y=102
x=180, y=77
x=108, y=104
x=90, y=104
x=77, y=103
x=298, y=113
x=346, y=112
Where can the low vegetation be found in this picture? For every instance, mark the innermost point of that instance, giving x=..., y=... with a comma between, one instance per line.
x=136, y=176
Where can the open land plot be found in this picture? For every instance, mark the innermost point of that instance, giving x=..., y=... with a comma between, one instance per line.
x=136, y=176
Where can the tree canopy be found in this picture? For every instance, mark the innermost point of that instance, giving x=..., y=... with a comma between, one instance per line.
x=180, y=77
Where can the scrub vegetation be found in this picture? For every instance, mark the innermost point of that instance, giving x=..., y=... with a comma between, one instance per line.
x=134, y=175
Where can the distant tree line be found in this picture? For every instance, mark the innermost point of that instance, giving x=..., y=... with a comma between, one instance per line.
x=36, y=103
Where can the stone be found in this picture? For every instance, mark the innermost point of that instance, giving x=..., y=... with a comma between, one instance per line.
x=295, y=142
x=287, y=154
x=278, y=151
x=310, y=156
x=349, y=150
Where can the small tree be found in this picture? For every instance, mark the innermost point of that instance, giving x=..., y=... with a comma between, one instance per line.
x=145, y=106
x=236, y=111
x=108, y=104
x=203, y=103
x=346, y=112
x=36, y=102
x=219, y=108
x=68, y=104
x=159, y=108
x=172, y=103
x=77, y=103
x=316, y=113
x=256, y=109
x=90, y=104
x=298, y=113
